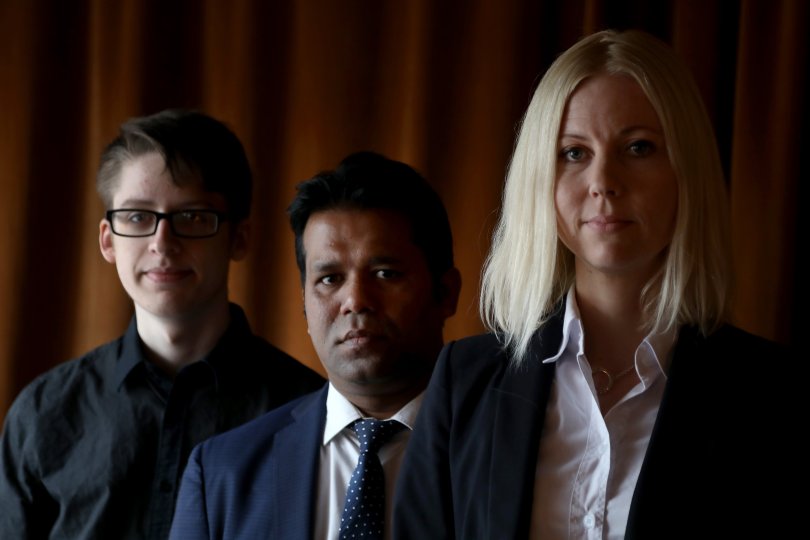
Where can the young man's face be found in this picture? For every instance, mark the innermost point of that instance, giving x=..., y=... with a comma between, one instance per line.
x=166, y=275
x=370, y=302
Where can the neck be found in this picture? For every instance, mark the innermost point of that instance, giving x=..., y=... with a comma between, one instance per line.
x=381, y=405
x=612, y=321
x=174, y=342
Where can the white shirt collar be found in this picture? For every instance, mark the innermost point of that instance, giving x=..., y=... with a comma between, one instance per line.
x=660, y=345
x=340, y=412
x=572, y=327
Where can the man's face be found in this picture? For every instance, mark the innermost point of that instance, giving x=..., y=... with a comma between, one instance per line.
x=370, y=302
x=165, y=275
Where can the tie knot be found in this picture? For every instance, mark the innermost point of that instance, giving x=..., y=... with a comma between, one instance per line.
x=375, y=433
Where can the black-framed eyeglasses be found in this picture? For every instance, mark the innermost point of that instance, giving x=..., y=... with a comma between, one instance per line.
x=134, y=222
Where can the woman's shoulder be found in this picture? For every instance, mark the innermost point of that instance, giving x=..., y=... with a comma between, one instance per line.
x=485, y=341
x=732, y=338
x=487, y=348
x=730, y=353
x=477, y=361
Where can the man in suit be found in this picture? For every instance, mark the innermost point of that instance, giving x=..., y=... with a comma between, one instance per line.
x=374, y=249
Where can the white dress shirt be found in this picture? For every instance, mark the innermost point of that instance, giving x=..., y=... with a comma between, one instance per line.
x=339, y=454
x=588, y=463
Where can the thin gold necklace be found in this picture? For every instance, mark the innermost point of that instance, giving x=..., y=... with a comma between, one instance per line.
x=607, y=378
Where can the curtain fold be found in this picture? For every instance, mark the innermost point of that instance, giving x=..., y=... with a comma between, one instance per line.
x=770, y=117
x=440, y=85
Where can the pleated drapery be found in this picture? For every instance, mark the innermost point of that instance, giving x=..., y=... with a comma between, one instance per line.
x=438, y=84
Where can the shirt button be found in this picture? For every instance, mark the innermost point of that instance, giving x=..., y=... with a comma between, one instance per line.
x=165, y=486
x=589, y=521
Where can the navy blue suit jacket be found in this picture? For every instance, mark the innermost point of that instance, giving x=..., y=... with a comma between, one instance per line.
x=258, y=480
x=721, y=457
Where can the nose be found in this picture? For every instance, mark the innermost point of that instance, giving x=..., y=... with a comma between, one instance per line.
x=358, y=296
x=605, y=177
x=163, y=241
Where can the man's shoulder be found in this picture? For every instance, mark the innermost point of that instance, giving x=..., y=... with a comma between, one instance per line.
x=304, y=408
x=274, y=420
x=53, y=389
x=301, y=411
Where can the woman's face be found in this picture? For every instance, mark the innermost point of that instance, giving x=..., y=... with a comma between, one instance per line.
x=616, y=194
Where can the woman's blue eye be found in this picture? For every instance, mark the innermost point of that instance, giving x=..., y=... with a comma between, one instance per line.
x=573, y=154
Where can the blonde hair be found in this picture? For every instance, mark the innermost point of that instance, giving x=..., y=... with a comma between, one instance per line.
x=528, y=270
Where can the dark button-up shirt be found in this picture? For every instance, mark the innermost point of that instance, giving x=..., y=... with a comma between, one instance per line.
x=95, y=448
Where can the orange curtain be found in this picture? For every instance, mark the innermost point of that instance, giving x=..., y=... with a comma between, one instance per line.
x=440, y=85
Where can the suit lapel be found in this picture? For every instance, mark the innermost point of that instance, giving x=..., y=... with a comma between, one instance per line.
x=520, y=404
x=683, y=432
x=297, y=468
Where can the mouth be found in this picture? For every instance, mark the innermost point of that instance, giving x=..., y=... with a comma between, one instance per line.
x=606, y=223
x=358, y=337
x=166, y=275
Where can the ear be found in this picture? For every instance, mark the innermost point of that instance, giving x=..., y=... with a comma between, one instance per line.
x=105, y=241
x=304, y=310
x=241, y=240
x=449, y=289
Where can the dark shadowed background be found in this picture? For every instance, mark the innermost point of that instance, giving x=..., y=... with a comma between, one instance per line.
x=438, y=84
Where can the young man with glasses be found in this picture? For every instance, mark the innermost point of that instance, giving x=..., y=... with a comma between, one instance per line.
x=95, y=448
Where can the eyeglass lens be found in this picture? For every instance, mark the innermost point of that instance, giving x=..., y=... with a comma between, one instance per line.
x=193, y=223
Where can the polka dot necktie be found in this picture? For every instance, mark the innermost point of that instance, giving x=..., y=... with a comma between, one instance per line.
x=364, y=511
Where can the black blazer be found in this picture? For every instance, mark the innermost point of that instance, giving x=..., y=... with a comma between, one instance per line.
x=721, y=454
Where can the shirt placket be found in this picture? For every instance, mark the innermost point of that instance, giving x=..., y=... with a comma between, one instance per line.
x=169, y=456
x=590, y=490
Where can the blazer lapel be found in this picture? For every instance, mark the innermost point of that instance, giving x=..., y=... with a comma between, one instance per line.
x=683, y=432
x=520, y=400
x=297, y=467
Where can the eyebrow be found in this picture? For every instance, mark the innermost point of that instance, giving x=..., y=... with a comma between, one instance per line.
x=326, y=266
x=331, y=266
x=147, y=203
x=625, y=131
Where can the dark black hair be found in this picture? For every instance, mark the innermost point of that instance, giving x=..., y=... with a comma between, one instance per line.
x=191, y=143
x=367, y=181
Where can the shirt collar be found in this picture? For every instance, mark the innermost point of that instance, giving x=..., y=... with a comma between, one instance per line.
x=130, y=353
x=340, y=413
x=660, y=345
x=572, y=327
x=223, y=359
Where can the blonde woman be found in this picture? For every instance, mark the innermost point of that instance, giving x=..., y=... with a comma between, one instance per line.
x=611, y=398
